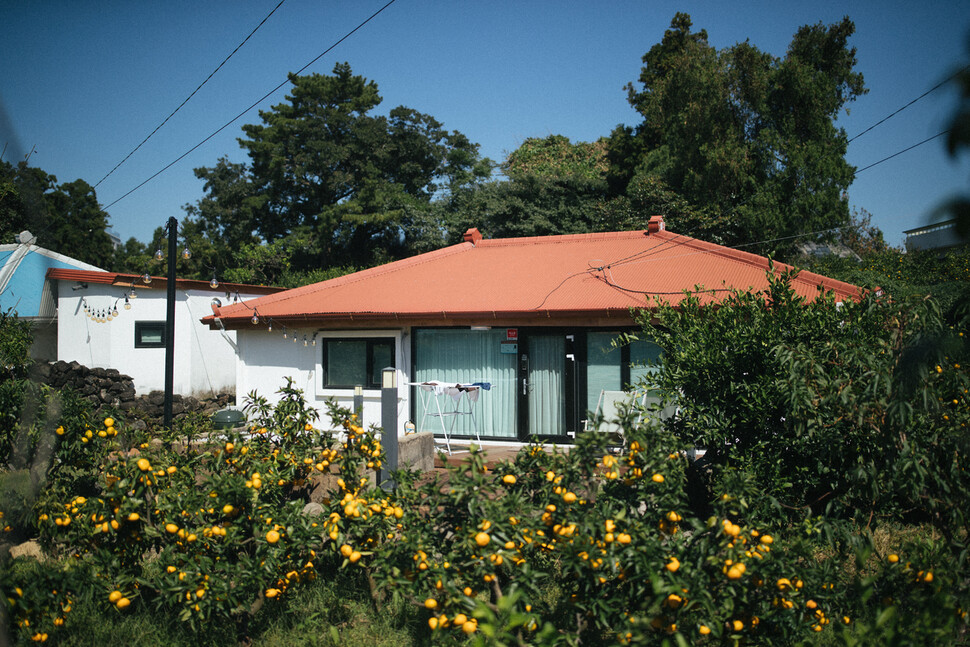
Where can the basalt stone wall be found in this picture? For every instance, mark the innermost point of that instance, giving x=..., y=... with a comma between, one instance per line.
x=108, y=389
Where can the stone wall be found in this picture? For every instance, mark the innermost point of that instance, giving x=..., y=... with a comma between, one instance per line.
x=110, y=391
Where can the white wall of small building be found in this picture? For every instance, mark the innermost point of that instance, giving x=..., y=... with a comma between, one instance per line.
x=205, y=361
x=265, y=359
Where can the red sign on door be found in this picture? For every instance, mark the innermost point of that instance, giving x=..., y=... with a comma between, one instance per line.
x=512, y=334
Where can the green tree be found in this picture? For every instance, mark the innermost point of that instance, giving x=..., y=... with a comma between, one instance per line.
x=743, y=144
x=65, y=218
x=553, y=186
x=339, y=183
x=556, y=157
x=824, y=405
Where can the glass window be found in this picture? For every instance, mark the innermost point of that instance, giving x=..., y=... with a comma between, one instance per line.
x=462, y=356
x=149, y=334
x=357, y=361
x=644, y=356
x=604, y=370
x=616, y=367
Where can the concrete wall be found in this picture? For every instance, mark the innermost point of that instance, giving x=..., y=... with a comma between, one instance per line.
x=266, y=359
x=204, y=359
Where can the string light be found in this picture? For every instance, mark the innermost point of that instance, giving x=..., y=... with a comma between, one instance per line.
x=127, y=303
x=147, y=278
x=304, y=341
x=255, y=319
x=158, y=254
x=186, y=254
x=214, y=283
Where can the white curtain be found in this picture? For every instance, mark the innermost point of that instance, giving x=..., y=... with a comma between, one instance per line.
x=464, y=357
x=547, y=365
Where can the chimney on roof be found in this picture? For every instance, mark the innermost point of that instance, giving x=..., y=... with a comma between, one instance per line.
x=472, y=236
x=656, y=224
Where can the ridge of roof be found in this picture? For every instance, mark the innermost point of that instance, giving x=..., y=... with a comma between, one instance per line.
x=764, y=262
x=349, y=279
x=51, y=254
x=560, y=239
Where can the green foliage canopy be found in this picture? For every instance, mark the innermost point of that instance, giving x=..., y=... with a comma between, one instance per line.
x=823, y=404
x=738, y=145
x=334, y=181
x=66, y=218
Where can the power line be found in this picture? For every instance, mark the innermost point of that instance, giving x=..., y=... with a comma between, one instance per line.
x=929, y=139
x=607, y=275
x=893, y=114
x=253, y=105
x=211, y=74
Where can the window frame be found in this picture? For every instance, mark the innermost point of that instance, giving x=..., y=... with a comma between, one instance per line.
x=370, y=344
x=143, y=326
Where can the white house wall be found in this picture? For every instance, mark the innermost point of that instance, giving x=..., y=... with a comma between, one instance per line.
x=265, y=359
x=204, y=359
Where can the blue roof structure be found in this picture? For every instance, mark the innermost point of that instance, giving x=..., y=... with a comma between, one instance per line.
x=23, y=272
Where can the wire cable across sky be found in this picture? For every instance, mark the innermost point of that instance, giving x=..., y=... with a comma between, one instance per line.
x=172, y=114
x=250, y=107
x=896, y=112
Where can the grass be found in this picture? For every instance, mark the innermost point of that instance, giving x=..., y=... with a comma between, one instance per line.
x=335, y=613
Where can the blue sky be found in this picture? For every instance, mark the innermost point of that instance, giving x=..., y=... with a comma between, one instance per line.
x=84, y=83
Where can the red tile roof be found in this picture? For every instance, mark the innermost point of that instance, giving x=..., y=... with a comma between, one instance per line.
x=549, y=280
x=158, y=282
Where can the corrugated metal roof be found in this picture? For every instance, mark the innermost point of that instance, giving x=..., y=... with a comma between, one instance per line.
x=157, y=283
x=550, y=277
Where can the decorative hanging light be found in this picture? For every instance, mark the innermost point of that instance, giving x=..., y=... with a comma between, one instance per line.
x=158, y=254
x=214, y=283
x=147, y=278
x=255, y=319
x=186, y=254
x=304, y=341
x=127, y=303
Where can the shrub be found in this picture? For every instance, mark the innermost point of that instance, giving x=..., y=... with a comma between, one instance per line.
x=593, y=546
x=856, y=407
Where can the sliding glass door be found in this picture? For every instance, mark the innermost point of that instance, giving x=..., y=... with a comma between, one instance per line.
x=463, y=356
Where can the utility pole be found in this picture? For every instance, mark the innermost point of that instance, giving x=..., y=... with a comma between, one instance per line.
x=172, y=227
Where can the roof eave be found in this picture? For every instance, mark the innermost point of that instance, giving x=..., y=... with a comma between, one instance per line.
x=545, y=317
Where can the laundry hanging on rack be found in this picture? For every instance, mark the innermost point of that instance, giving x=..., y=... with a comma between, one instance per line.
x=455, y=391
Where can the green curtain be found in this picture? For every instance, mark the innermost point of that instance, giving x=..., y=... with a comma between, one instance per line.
x=547, y=365
x=463, y=356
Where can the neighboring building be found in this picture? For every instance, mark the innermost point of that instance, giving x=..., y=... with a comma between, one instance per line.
x=25, y=291
x=941, y=236
x=112, y=320
x=535, y=318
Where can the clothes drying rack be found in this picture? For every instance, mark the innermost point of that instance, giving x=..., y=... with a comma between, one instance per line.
x=462, y=397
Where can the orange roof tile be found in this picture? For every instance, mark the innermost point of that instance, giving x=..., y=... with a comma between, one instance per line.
x=158, y=282
x=527, y=281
